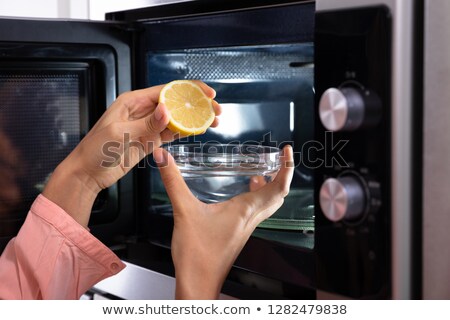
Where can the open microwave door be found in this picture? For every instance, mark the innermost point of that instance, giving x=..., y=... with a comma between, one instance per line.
x=259, y=59
x=56, y=79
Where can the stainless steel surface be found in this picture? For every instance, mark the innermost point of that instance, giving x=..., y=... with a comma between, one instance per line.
x=342, y=198
x=333, y=109
x=401, y=148
x=436, y=160
x=137, y=283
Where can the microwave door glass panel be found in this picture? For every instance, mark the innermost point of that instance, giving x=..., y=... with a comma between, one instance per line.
x=39, y=125
x=266, y=93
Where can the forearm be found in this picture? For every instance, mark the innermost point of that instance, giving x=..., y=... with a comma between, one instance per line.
x=73, y=191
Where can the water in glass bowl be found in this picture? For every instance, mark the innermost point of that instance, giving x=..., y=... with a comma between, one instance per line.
x=218, y=172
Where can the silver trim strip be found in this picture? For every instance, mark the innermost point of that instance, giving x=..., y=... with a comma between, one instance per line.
x=436, y=154
x=401, y=149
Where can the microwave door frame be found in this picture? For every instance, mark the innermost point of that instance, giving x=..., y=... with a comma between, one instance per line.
x=61, y=41
x=74, y=32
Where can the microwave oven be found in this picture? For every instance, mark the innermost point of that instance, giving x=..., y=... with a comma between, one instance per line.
x=356, y=87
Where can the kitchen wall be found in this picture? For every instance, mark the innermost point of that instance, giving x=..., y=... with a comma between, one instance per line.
x=78, y=9
x=98, y=8
x=74, y=9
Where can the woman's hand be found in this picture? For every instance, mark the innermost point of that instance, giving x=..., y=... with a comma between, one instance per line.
x=207, y=238
x=132, y=127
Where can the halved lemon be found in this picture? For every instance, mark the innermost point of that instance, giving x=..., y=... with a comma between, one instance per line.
x=191, y=111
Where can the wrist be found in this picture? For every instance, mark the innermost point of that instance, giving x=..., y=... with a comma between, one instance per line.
x=198, y=282
x=200, y=288
x=73, y=190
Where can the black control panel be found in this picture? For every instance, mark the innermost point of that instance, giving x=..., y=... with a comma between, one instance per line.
x=352, y=125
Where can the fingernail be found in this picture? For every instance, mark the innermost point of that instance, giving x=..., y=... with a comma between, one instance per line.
x=286, y=147
x=159, y=112
x=158, y=157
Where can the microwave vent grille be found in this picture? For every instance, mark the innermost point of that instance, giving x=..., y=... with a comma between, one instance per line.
x=250, y=65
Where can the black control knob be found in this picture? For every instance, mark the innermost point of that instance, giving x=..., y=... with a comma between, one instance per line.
x=348, y=109
x=342, y=198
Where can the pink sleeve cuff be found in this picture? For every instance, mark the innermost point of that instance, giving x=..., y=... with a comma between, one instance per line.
x=53, y=257
x=76, y=234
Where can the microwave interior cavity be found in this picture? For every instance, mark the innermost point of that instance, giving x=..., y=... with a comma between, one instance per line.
x=266, y=93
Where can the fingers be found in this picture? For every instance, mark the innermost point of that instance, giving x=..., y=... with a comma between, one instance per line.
x=215, y=123
x=139, y=103
x=155, y=123
x=217, y=108
x=284, y=177
x=144, y=120
x=218, y=111
x=210, y=92
x=168, y=136
x=266, y=200
x=257, y=182
x=176, y=188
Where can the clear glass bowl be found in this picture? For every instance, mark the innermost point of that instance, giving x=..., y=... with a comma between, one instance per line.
x=217, y=172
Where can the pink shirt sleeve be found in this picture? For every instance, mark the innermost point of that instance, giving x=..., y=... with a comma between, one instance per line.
x=53, y=257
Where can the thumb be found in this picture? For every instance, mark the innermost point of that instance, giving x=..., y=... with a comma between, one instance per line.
x=156, y=122
x=176, y=188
